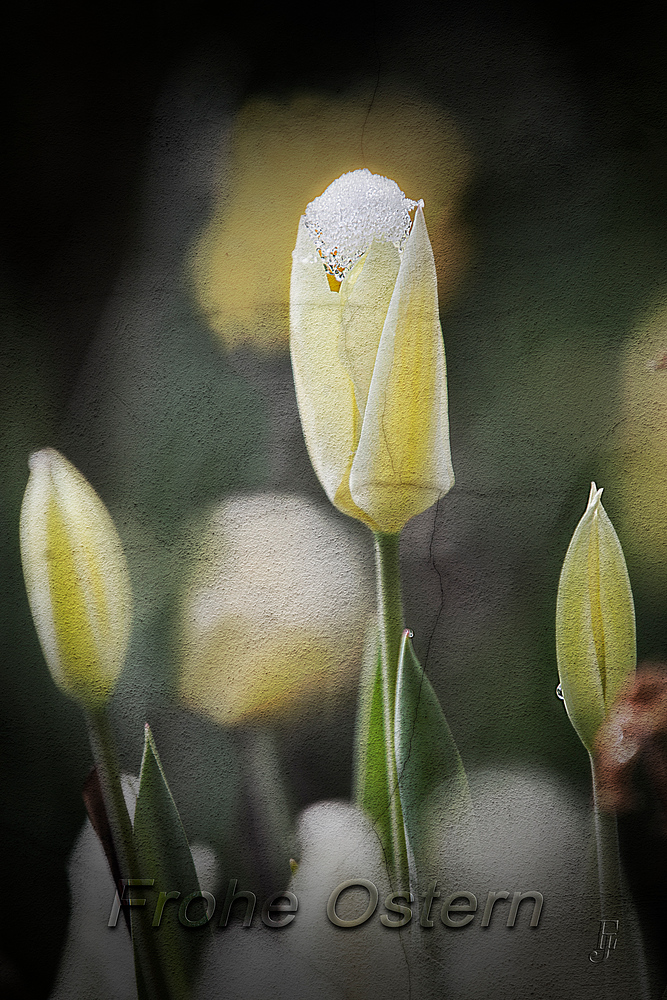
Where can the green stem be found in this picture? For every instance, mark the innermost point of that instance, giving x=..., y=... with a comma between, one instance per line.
x=106, y=760
x=608, y=857
x=612, y=898
x=151, y=981
x=391, y=627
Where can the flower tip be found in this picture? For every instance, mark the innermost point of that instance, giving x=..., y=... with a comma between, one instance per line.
x=149, y=739
x=41, y=459
x=418, y=216
x=594, y=496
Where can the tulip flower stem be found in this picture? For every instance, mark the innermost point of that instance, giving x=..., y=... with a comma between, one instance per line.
x=608, y=857
x=391, y=627
x=104, y=752
x=610, y=881
x=389, y=598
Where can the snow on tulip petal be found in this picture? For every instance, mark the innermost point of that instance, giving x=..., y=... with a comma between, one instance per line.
x=595, y=621
x=356, y=209
x=403, y=461
x=76, y=579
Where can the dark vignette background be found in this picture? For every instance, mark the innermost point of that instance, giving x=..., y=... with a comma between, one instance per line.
x=563, y=108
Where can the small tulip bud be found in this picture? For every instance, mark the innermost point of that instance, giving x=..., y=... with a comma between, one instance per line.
x=76, y=578
x=595, y=622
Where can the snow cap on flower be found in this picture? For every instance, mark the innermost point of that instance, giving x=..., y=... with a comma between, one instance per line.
x=356, y=209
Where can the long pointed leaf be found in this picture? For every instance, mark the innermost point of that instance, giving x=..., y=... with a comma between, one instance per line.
x=163, y=854
x=432, y=782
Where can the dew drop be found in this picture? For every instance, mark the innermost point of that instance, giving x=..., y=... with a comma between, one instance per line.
x=559, y=692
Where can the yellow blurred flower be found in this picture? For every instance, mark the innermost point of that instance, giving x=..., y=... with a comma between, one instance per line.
x=281, y=154
x=595, y=621
x=275, y=613
x=76, y=578
x=368, y=360
x=638, y=456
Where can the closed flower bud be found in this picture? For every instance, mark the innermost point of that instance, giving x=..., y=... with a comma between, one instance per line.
x=76, y=578
x=595, y=622
x=368, y=358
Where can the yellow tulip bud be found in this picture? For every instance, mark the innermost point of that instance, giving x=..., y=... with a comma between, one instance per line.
x=76, y=578
x=368, y=358
x=595, y=621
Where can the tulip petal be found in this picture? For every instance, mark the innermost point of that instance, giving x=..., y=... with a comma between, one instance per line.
x=595, y=622
x=323, y=388
x=324, y=391
x=365, y=295
x=403, y=462
x=76, y=579
x=618, y=613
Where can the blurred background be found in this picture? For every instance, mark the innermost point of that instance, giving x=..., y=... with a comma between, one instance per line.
x=154, y=173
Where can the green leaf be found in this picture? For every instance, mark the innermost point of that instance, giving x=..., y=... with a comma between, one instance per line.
x=166, y=953
x=435, y=797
